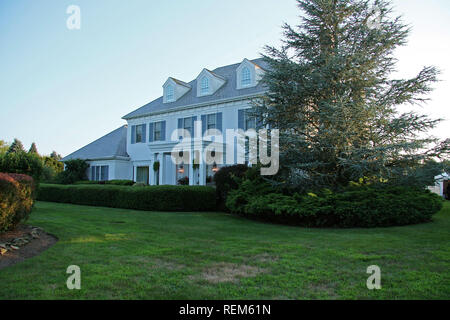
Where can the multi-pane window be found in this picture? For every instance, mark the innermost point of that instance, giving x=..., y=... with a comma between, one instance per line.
x=142, y=174
x=250, y=122
x=204, y=85
x=170, y=95
x=139, y=134
x=211, y=121
x=157, y=131
x=100, y=173
x=246, y=78
x=188, y=125
x=104, y=173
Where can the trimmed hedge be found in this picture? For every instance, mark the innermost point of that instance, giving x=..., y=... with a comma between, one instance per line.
x=151, y=198
x=363, y=206
x=112, y=182
x=16, y=199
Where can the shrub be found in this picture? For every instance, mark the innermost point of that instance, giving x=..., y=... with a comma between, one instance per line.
x=23, y=163
x=75, y=171
x=112, y=182
x=183, y=181
x=356, y=206
x=140, y=184
x=154, y=198
x=16, y=199
x=52, y=168
x=120, y=182
x=86, y=182
x=228, y=178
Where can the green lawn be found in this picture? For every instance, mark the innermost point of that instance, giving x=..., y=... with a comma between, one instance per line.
x=125, y=254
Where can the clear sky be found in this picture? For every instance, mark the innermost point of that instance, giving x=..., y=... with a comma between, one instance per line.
x=65, y=88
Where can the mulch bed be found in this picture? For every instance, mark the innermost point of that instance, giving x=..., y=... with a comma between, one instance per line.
x=23, y=243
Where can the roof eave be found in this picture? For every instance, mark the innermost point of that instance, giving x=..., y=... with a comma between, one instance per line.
x=197, y=105
x=99, y=158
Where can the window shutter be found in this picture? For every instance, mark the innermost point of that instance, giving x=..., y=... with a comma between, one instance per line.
x=241, y=119
x=163, y=131
x=180, y=126
x=219, y=121
x=133, y=134
x=150, y=132
x=106, y=173
x=144, y=133
x=203, y=124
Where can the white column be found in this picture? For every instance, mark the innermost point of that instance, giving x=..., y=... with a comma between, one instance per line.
x=151, y=173
x=202, y=177
x=161, y=168
x=191, y=173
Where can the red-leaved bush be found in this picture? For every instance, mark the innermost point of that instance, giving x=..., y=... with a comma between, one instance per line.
x=17, y=193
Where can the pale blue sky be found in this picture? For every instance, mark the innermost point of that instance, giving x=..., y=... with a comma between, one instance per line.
x=64, y=89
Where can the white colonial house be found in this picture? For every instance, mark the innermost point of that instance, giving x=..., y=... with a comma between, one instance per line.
x=217, y=98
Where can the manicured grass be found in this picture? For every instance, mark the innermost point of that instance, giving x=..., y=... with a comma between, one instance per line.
x=152, y=255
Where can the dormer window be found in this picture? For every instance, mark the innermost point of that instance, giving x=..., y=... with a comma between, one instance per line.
x=170, y=93
x=174, y=89
x=208, y=83
x=204, y=85
x=246, y=77
x=248, y=74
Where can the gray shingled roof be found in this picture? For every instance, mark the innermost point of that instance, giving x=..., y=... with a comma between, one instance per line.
x=227, y=91
x=112, y=145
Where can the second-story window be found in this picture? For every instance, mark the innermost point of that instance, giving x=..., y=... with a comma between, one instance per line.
x=246, y=78
x=170, y=95
x=158, y=131
x=204, y=85
x=211, y=121
x=139, y=135
x=250, y=122
x=188, y=125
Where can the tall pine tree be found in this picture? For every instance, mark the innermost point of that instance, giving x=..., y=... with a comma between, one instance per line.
x=332, y=97
x=55, y=155
x=33, y=149
x=16, y=147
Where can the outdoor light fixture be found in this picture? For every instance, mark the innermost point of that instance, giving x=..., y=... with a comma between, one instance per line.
x=181, y=169
x=215, y=168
